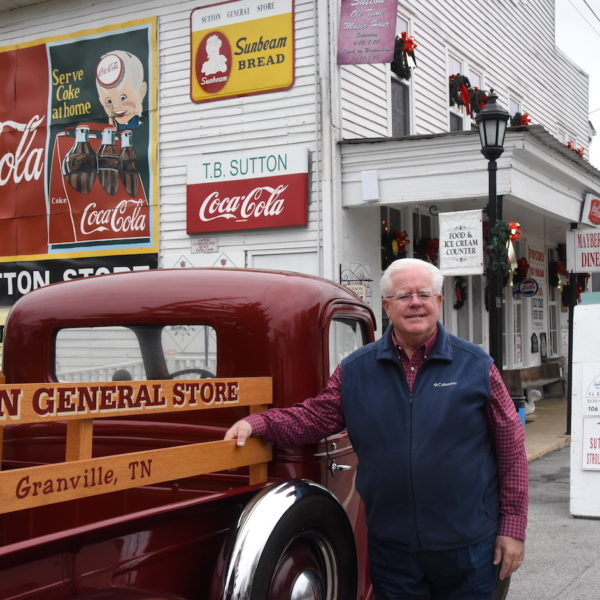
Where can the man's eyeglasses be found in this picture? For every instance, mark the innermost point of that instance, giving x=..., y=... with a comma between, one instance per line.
x=406, y=297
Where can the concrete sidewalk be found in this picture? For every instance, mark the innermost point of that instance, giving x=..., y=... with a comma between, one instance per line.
x=545, y=428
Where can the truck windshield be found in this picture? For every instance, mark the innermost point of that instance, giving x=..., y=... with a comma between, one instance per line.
x=119, y=353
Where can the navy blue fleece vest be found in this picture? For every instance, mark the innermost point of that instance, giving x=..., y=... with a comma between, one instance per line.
x=427, y=469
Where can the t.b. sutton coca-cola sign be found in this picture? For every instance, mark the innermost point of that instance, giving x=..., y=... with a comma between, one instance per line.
x=247, y=190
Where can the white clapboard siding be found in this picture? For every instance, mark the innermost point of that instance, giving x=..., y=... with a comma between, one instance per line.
x=364, y=100
x=511, y=42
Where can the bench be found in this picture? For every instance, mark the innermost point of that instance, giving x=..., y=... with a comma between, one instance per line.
x=547, y=377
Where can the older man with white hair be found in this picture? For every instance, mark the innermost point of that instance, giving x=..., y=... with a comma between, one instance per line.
x=442, y=462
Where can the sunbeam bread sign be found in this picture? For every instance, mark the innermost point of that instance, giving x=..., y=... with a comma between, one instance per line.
x=240, y=48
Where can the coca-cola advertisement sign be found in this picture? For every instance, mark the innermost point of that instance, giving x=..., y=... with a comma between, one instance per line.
x=591, y=210
x=248, y=190
x=78, y=174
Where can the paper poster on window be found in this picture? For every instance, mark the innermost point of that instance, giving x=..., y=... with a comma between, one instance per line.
x=537, y=259
x=78, y=130
x=461, y=243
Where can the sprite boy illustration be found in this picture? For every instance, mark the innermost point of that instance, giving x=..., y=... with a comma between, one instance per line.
x=121, y=88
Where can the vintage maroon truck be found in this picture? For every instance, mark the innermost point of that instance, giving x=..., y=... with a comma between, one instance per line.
x=116, y=482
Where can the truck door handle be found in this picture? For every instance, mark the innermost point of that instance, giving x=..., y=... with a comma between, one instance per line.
x=334, y=467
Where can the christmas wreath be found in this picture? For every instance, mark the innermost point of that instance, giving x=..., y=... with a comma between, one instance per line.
x=427, y=249
x=460, y=292
x=459, y=91
x=477, y=99
x=399, y=243
x=404, y=56
x=557, y=271
x=498, y=249
x=520, y=120
x=580, y=286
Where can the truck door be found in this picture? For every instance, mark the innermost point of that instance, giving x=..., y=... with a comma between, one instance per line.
x=347, y=330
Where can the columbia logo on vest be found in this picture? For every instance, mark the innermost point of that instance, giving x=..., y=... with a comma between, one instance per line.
x=444, y=383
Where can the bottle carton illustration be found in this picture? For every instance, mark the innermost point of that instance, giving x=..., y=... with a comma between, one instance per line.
x=96, y=194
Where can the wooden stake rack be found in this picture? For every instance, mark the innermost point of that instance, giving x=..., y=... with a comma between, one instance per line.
x=78, y=404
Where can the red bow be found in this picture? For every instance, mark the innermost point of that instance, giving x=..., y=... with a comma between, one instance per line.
x=514, y=230
x=409, y=43
x=525, y=120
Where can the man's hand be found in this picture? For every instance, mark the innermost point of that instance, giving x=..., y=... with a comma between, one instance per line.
x=239, y=431
x=509, y=554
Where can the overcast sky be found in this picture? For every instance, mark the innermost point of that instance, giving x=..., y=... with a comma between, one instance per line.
x=578, y=36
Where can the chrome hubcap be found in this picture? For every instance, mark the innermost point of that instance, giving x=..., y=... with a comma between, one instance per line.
x=308, y=586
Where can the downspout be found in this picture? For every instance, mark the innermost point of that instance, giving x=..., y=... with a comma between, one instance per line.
x=327, y=239
x=317, y=156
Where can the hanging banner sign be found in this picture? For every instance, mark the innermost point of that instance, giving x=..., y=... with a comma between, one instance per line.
x=591, y=210
x=241, y=47
x=248, y=190
x=367, y=31
x=583, y=250
x=461, y=243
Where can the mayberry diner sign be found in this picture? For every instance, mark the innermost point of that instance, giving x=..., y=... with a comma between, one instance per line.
x=248, y=190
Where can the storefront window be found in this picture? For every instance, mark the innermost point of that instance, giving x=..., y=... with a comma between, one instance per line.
x=465, y=314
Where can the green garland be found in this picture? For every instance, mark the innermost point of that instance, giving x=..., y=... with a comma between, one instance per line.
x=498, y=249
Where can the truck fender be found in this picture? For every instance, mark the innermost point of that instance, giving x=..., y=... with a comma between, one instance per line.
x=293, y=541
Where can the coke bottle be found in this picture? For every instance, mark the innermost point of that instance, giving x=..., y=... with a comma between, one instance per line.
x=129, y=169
x=80, y=163
x=108, y=162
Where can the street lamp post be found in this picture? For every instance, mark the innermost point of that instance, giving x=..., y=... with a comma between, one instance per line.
x=491, y=123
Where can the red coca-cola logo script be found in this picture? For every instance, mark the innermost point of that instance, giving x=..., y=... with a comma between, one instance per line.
x=128, y=216
x=261, y=201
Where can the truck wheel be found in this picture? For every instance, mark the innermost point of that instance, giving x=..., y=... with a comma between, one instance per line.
x=308, y=554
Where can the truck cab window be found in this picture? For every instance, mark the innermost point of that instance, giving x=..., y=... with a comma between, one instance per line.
x=345, y=336
x=121, y=353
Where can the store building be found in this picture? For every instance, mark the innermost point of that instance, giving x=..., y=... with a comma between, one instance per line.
x=241, y=101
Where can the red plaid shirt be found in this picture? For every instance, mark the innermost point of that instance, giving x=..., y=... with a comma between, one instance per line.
x=318, y=417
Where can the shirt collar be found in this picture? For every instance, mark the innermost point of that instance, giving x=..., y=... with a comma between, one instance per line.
x=427, y=347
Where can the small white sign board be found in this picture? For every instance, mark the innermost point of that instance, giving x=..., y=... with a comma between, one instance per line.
x=585, y=413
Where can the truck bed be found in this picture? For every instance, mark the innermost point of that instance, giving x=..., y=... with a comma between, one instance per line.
x=164, y=539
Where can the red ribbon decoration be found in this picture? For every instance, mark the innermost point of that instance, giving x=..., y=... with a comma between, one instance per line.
x=514, y=230
x=525, y=120
x=409, y=43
